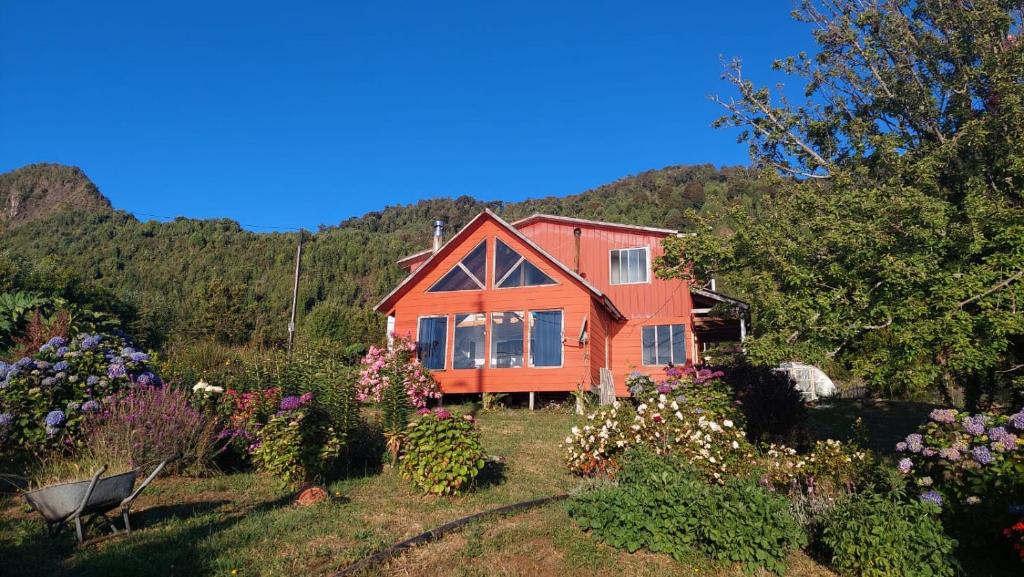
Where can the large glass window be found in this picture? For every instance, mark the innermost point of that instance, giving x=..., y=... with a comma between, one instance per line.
x=545, y=338
x=432, y=341
x=506, y=340
x=468, y=351
x=628, y=266
x=469, y=274
x=664, y=344
x=511, y=269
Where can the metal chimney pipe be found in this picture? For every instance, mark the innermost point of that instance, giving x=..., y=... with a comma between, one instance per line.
x=438, y=234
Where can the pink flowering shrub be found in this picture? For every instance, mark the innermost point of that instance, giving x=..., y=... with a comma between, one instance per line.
x=382, y=367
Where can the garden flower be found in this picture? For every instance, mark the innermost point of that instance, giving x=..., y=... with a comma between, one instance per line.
x=306, y=398
x=943, y=415
x=290, y=403
x=1018, y=420
x=139, y=357
x=48, y=382
x=915, y=442
x=6, y=419
x=55, y=418
x=423, y=411
x=950, y=454
x=974, y=425
x=468, y=417
x=62, y=351
x=932, y=496
x=982, y=455
x=61, y=366
x=91, y=406
x=906, y=465
x=442, y=414
x=116, y=370
x=92, y=380
x=90, y=342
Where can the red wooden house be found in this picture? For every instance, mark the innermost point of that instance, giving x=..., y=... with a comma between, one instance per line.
x=549, y=303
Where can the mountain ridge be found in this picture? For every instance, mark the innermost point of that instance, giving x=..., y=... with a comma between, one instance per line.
x=211, y=278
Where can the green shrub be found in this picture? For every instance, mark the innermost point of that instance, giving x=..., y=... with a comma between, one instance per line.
x=442, y=453
x=662, y=506
x=880, y=535
x=743, y=523
x=298, y=443
x=657, y=508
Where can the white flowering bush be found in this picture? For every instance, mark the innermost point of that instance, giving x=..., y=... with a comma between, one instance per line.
x=830, y=466
x=715, y=448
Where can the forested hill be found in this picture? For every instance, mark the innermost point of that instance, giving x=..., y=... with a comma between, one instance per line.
x=211, y=278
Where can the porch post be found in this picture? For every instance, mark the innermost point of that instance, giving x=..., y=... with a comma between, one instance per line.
x=743, y=330
x=531, y=400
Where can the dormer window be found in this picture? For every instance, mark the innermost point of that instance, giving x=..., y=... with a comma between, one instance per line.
x=629, y=266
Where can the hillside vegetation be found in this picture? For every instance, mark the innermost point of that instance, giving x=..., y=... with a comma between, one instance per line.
x=212, y=278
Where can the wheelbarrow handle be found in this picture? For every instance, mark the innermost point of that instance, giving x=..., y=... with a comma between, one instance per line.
x=88, y=493
x=151, y=476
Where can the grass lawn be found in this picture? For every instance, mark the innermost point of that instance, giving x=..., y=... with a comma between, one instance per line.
x=245, y=524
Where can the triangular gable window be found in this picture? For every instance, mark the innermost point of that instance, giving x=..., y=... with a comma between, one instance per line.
x=513, y=270
x=469, y=274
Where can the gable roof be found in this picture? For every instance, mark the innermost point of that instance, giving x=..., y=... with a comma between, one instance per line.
x=596, y=223
x=489, y=214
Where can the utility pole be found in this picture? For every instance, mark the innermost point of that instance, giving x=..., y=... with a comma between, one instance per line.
x=295, y=294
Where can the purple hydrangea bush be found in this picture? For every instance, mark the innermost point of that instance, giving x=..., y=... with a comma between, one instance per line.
x=46, y=398
x=959, y=460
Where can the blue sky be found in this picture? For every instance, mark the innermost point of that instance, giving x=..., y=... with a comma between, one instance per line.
x=302, y=113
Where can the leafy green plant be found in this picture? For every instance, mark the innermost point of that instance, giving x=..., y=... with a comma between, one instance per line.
x=744, y=523
x=492, y=401
x=661, y=505
x=442, y=453
x=872, y=535
x=298, y=443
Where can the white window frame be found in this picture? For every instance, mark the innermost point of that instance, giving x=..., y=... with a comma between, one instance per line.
x=495, y=281
x=472, y=277
x=447, y=326
x=671, y=342
x=561, y=341
x=647, y=250
x=487, y=342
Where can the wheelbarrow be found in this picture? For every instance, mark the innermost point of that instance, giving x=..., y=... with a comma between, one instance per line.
x=87, y=502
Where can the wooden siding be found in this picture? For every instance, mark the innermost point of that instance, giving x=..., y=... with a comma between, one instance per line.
x=568, y=295
x=655, y=298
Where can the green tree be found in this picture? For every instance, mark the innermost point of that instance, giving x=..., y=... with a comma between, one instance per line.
x=894, y=244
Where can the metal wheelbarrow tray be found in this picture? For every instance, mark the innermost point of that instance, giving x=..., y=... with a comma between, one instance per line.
x=90, y=500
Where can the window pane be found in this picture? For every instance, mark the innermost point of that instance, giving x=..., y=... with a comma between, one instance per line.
x=642, y=260
x=455, y=280
x=506, y=340
x=468, y=346
x=664, y=345
x=648, y=346
x=634, y=266
x=615, y=267
x=476, y=262
x=533, y=276
x=678, y=345
x=504, y=259
x=432, y=341
x=546, y=338
x=526, y=274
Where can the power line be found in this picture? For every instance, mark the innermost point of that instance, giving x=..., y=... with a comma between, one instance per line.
x=263, y=226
